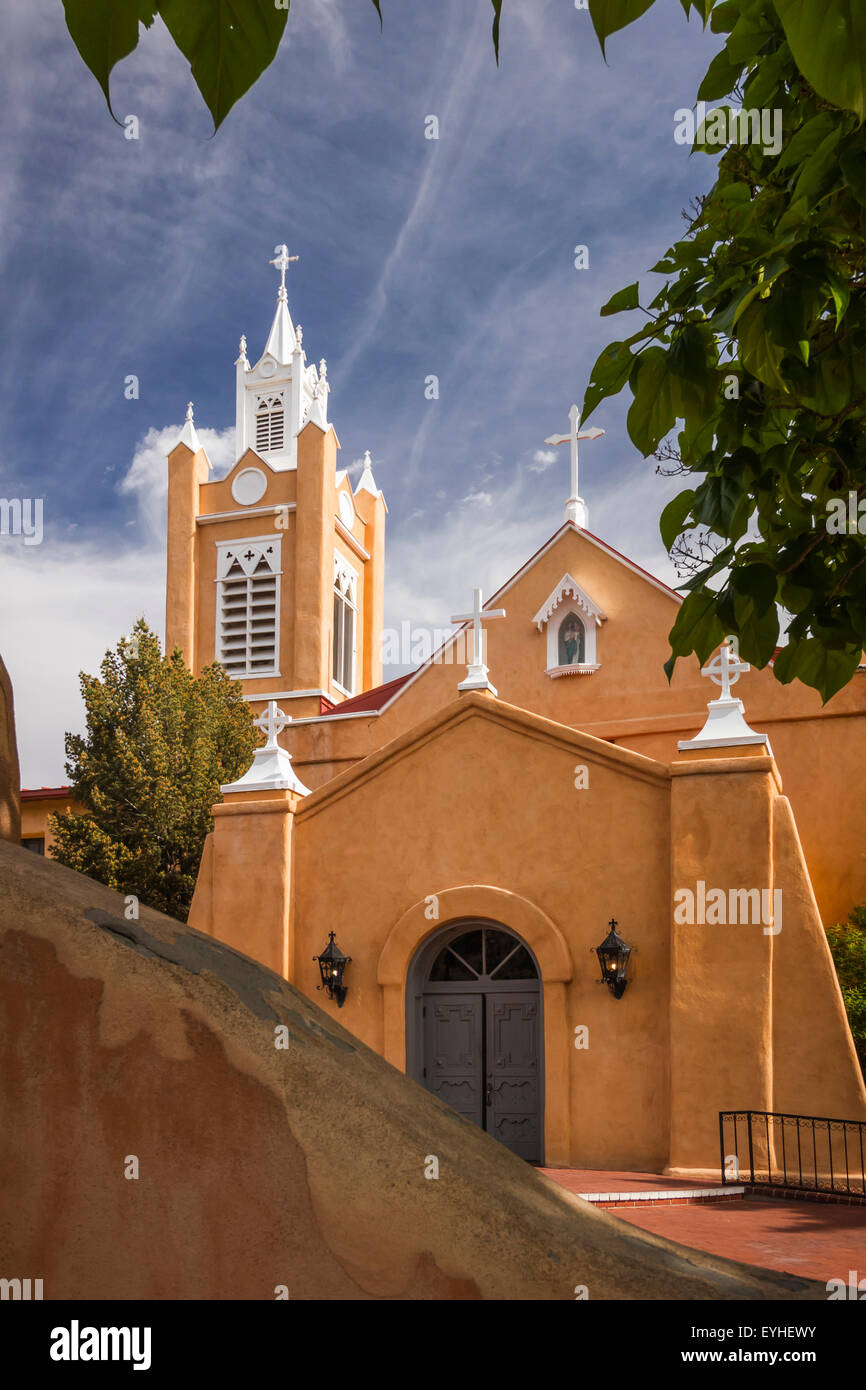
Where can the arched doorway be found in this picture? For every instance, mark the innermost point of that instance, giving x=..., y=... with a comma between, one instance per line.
x=474, y=1034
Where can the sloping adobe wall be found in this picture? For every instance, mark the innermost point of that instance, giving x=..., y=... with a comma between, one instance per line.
x=258, y=1167
x=10, y=808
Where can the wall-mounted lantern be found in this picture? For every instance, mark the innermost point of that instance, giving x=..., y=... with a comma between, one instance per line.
x=332, y=963
x=613, y=956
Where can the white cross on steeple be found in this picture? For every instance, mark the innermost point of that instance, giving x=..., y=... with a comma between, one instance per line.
x=282, y=260
x=271, y=723
x=477, y=676
x=725, y=668
x=575, y=507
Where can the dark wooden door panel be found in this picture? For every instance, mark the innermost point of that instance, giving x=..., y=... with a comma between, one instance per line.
x=453, y=1052
x=513, y=1091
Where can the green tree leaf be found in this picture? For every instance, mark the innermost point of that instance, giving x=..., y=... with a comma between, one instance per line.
x=674, y=515
x=652, y=413
x=623, y=299
x=809, y=661
x=104, y=31
x=228, y=44
x=497, y=15
x=828, y=41
x=610, y=15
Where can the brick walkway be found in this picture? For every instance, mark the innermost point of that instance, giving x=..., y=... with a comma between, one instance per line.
x=812, y=1239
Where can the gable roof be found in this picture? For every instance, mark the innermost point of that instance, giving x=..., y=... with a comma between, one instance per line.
x=524, y=569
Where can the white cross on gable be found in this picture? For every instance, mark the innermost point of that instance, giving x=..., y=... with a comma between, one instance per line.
x=272, y=722
x=725, y=668
x=477, y=676
x=575, y=507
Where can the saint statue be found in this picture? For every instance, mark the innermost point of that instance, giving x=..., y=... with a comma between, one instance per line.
x=571, y=641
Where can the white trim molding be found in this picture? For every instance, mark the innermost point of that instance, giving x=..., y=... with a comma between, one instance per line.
x=584, y=669
x=589, y=616
x=568, y=586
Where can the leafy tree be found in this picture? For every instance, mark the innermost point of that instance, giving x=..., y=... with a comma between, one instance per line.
x=159, y=743
x=848, y=945
x=755, y=344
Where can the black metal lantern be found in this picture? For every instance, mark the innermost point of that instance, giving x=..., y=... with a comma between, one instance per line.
x=332, y=963
x=613, y=956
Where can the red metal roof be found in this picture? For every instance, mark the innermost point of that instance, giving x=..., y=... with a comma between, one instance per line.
x=370, y=699
x=42, y=793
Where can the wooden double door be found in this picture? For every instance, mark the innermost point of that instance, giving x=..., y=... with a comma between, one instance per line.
x=481, y=1056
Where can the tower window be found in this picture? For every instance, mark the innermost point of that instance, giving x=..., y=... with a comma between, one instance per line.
x=270, y=424
x=345, y=624
x=248, y=607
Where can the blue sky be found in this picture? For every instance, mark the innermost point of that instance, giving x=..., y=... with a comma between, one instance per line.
x=452, y=257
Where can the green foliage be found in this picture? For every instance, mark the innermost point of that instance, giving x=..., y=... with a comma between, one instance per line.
x=848, y=945
x=755, y=349
x=159, y=744
x=228, y=43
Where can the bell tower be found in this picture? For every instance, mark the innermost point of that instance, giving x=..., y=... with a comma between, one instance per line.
x=275, y=397
x=277, y=569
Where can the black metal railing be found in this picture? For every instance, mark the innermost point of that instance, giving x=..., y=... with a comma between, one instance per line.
x=805, y=1153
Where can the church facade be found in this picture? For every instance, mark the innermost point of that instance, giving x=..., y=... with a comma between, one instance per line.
x=472, y=833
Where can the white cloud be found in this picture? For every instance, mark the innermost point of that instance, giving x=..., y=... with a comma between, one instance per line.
x=147, y=478
x=542, y=459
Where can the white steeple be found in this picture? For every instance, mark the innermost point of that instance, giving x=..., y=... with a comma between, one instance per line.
x=366, y=482
x=281, y=339
x=275, y=397
x=189, y=437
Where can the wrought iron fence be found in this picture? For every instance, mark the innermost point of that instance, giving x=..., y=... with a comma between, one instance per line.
x=805, y=1153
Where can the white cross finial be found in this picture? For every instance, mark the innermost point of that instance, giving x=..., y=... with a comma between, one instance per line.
x=575, y=507
x=725, y=725
x=282, y=260
x=477, y=677
x=271, y=723
x=189, y=410
x=368, y=462
x=725, y=668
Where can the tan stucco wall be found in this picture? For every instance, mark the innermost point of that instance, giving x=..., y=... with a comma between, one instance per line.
x=477, y=806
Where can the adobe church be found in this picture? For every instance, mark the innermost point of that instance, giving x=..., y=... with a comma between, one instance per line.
x=474, y=832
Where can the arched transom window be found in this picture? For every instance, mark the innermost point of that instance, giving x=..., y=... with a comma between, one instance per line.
x=483, y=954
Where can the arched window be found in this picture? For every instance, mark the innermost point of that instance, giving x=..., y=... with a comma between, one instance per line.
x=345, y=623
x=484, y=953
x=571, y=640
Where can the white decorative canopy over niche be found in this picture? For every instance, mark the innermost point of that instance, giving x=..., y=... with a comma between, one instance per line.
x=572, y=619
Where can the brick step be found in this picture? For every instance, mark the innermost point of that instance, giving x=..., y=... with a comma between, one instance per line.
x=664, y=1197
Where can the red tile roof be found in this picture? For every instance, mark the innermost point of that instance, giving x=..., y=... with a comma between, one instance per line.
x=42, y=793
